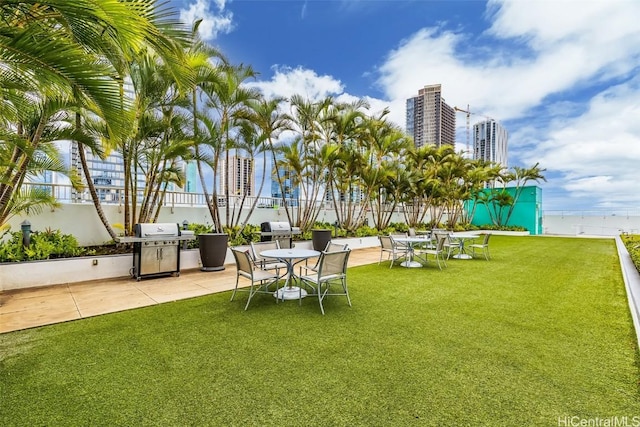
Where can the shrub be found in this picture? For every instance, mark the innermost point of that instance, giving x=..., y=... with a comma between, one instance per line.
x=46, y=244
x=632, y=243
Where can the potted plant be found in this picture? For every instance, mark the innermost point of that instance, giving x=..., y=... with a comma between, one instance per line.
x=213, y=250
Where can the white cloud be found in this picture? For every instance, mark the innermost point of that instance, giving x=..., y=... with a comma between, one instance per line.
x=213, y=21
x=538, y=68
x=527, y=69
x=598, y=152
x=288, y=81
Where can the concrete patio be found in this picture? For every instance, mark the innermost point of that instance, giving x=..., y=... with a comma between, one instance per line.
x=28, y=308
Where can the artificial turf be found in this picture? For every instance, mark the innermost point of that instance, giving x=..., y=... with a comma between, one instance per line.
x=539, y=334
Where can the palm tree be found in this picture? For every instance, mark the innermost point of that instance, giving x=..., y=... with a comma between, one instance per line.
x=385, y=145
x=96, y=148
x=308, y=118
x=480, y=176
x=345, y=127
x=59, y=46
x=520, y=176
x=156, y=144
x=80, y=51
x=205, y=60
x=227, y=98
x=251, y=141
x=29, y=150
x=264, y=114
x=293, y=162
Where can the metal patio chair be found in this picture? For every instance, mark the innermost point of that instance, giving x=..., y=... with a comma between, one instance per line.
x=260, y=279
x=266, y=263
x=331, y=247
x=438, y=252
x=483, y=247
x=331, y=277
x=392, y=249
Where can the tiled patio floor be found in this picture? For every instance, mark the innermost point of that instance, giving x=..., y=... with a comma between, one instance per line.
x=28, y=308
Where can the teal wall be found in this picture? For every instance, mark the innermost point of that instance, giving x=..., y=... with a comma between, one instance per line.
x=527, y=212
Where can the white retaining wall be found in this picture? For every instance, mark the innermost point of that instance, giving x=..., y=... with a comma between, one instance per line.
x=22, y=275
x=590, y=225
x=81, y=220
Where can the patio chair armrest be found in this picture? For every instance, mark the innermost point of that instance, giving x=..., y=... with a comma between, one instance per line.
x=307, y=269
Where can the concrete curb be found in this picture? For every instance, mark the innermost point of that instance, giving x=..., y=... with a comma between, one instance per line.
x=631, y=278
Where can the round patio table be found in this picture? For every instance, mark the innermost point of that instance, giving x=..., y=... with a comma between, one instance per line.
x=461, y=238
x=410, y=242
x=291, y=257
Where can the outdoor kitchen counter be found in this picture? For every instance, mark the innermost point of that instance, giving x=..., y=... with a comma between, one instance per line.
x=156, y=248
x=133, y=239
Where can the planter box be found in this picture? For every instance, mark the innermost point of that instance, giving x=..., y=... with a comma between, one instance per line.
x=30, y=274
x=33, y=274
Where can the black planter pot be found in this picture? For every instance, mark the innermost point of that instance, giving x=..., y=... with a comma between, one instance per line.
x=213, y=250
x=320, y=238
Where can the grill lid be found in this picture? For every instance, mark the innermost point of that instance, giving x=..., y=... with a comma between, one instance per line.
x=151, y=230
x=275, y=226
x=280, y=226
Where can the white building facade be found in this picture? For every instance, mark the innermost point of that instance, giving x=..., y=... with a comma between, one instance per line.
x=490, y=141
x=429, y=119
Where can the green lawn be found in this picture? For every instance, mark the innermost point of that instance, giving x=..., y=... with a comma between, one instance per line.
x=540, y=332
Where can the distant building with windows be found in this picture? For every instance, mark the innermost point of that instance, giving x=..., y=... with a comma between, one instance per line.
x=107, y=174
x=429, y=119
x=291, y=191
x=490, y=140
x=240, y=176
x=190, y=176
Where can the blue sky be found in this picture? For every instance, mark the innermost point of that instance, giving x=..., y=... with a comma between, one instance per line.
x=561, y=76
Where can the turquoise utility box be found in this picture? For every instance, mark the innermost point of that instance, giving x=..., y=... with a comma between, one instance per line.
x=526, y=213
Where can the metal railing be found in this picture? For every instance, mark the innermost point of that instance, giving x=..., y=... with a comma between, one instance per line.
x=594, y=212
x=110, y=195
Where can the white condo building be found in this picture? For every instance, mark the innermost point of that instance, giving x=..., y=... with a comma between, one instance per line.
x=490, y=142
x=241, y=176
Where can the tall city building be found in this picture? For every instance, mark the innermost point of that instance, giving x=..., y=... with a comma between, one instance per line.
x=107, y=174
x=241, y=176
x=430, y=120
x=291, y=191
x=490, y=142
x=190, y=176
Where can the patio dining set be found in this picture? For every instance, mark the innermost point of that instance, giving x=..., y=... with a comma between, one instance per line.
x=267, y=264
x=414, y=248
x=290, y=273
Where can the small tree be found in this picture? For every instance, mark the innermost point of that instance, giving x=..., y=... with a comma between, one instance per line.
x=501, y=202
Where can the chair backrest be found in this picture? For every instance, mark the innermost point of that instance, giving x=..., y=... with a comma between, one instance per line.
x=335, y=247
x=444, y=233
x=485, y=241
x=243, y=261
x=412, y=232
x=442, y=238
x=385, y=242
x=398, y=235
x=396, y=244
x=257, y=247
x=333, y=263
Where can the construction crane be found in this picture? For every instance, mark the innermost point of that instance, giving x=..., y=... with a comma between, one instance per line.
x=468, y=115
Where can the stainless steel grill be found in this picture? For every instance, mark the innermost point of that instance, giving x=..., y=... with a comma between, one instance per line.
x=156, y=249
x=280, y=231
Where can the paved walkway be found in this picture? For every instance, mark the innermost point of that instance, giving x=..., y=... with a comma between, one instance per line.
x=28, y=308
